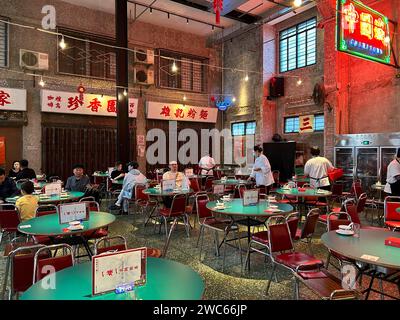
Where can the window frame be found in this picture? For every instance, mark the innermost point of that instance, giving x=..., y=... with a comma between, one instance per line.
x=87, y=36
x=7, y=43
x=296, y=40
x=180, y=56
x=297, y=117
x=245, y=128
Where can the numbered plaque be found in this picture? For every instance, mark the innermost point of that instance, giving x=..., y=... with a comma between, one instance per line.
x=111, y=270
x=251, y=197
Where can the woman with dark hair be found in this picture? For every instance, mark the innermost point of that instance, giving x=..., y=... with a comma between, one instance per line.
x=16, y=168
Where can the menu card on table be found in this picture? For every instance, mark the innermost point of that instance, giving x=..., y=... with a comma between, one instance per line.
x=168, y=185
x=73, y=212
x=53, y=188
x=250, y=197
x=112, y=270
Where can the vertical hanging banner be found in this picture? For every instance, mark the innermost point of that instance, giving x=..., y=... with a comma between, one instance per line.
x=362, y=31
x=2, y=151
x=306, y=124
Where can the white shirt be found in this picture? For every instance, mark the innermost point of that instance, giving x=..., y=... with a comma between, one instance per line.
x=180, y=179
x=131, y=179
x=317, y=169
x=393, y=170
x=207, y=162
x=265, y=176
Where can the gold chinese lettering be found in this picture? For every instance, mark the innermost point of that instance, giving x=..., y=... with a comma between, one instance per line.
x=379, y=32
x=366, y=23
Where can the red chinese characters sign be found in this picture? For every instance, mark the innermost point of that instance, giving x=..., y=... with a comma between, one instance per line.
x=362, y=31
x=12, y=99
x=88, y=104
x=179, y=112
x=306, y=124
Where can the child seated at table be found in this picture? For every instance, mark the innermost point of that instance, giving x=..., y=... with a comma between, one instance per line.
x=28, y=203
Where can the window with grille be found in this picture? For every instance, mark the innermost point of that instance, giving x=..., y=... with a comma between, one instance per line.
x=298, y=46
x=292, y=124
x=3, y=44
x=191, y=74
x=244, y=128
x=86, y=58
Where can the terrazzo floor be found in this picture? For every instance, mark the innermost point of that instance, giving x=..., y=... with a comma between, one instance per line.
x=232, y=283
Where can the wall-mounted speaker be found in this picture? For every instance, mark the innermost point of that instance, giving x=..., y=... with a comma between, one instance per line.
x=277, y=87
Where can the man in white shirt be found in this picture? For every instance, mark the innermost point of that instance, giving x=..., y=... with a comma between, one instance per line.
x=317, y=169
x=262, y=172
x=207, y=163
x=393, y=176
x=181, y=181
x=132, y=178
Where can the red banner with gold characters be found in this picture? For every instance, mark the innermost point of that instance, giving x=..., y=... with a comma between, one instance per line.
x=362, y=31
x=2, y=151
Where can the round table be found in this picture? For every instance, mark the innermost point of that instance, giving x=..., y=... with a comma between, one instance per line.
x=308, y=192
x=166, y=280
x=159, y=193
x=101, y=175
x=49, y=225
x=231, y=182
x=236, y=208
x=72, y=196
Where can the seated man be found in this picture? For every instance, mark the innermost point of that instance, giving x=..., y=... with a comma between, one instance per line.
x=181, y=181
x=132, y=178
x=28, y=203
x=26, y=172
x=117, y=174
x=79, y=181
x=7, y=186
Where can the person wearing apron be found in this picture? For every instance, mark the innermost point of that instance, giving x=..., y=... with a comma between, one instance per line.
x=317, y=169
x=262, y=172
x=393, y=177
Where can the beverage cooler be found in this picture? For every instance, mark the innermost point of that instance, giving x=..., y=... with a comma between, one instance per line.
x=365, y=157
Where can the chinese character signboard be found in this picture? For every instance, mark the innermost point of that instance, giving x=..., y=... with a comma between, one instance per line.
x=179, y=112
x=362, y=31
x=306, y=124
x=88, y=104
x=111, y=270
x=12, y=99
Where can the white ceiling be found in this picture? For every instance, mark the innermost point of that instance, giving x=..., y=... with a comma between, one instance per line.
x=161, y=18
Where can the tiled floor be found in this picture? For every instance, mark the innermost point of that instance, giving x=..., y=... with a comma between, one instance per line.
x=233, y=283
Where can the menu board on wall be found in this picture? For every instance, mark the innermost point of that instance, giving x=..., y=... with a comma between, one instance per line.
x=180, y=112
x=90, y=104
x=12, y=99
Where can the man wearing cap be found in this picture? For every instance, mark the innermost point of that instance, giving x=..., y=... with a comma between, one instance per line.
x=79, y=181
x=131, y=179
x=181, y=181
x=393, y=176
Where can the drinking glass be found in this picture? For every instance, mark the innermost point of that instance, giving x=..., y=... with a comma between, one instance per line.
x=356, y=229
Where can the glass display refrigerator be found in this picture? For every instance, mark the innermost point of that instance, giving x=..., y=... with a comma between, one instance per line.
x=365, y=157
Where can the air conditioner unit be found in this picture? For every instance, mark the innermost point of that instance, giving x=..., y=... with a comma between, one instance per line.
x=145, y=56
x=33, y=60
x=144, y=75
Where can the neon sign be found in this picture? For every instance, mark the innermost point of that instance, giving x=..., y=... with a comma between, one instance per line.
x=362, y=31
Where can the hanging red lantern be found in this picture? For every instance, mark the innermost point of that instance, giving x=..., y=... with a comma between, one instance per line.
x=218, y=6
x=81, y=91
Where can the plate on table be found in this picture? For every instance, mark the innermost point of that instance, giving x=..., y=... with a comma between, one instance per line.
x=75, y=228
x=345, y=232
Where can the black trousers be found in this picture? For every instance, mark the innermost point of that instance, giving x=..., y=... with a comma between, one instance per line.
x=395, y=188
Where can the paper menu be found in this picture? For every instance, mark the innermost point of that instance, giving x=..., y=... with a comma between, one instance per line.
x=111, y=270
x=73, y=212
x=369, y=257
x=53, y=188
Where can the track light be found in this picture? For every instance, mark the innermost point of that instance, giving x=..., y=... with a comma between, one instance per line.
x=174, y=67
x=41, y=82
x=299, y=82
x=246, y=78
x=125, y=93
x=234, y=99
x=187, y=21
x=62, y=43
x=297, y=3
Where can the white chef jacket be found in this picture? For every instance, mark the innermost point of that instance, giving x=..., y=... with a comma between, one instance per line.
x=208, y=163
x=265, y=176
x=181, y=180
x=317, y=169
x=393, y=170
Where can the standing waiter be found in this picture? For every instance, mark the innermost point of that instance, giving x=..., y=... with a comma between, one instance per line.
x=317, y=169
x=262, y=172
x=393, y=176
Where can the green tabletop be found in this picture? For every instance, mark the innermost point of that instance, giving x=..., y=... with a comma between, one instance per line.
x=370, y=242
x=231, y=182
x=309, y=192
x=119, y=182
x=159, y=193
x=235, y=207
x=72, y=196
x=49, y=225
x=101, y=174
x=166, y=280
x=38, y=185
